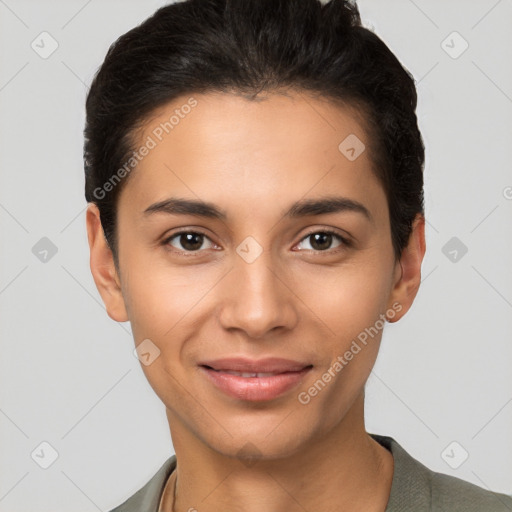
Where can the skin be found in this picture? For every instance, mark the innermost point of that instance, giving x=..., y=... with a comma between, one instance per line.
x=297, y=300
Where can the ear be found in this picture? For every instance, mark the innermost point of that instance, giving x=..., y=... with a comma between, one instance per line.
x=103, y=268
x=408, y=270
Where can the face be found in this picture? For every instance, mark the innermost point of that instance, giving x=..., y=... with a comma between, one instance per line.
x=252, y=298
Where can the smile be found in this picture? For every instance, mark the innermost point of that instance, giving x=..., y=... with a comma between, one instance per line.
x=240, y=379
x=247, y=374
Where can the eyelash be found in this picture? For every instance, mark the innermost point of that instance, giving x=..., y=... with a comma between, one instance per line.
x=345, y=242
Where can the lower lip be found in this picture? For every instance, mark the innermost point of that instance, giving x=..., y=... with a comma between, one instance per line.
x=255, y=389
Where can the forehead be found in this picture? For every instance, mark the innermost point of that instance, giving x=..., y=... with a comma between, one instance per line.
x=226, y=148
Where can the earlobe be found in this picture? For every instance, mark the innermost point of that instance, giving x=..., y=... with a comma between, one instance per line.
x=409, y=266
x=103, y=268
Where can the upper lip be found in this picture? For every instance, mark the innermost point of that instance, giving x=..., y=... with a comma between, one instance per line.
x=267, y=365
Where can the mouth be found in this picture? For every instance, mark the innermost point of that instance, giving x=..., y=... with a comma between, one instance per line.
x=255, y=380
x=246, y=374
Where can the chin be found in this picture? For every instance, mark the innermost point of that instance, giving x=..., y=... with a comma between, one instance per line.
x=252, y=447
x=249, y=453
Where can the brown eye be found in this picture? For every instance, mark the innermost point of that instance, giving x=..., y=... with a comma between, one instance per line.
x=322, y=240
x=188, y=241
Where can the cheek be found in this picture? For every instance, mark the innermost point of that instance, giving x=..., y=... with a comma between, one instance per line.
x=352, y=305
x=158, y=296
x=350, y=298
x=356, y=327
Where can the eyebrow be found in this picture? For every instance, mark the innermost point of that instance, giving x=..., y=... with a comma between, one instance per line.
x=302, y=208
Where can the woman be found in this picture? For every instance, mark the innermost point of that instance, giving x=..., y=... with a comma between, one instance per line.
x=254, y=173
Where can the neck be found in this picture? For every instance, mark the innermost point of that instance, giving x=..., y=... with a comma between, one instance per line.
x=344, y=469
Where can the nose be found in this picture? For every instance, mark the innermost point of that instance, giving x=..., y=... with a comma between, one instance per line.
x=257, y=298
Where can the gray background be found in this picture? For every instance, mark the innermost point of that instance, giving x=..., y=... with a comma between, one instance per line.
x=68, y=376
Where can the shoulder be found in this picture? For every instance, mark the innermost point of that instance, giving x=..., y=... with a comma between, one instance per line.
x=451, y=493
x=147, y=499
x=416, y=487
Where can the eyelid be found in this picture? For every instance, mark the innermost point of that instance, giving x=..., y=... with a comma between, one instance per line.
x=345, y=240
x=168, y=237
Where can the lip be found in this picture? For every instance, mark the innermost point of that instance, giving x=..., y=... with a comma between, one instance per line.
x=287, y=374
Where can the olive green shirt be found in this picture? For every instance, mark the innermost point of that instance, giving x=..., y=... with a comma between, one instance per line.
x=414, y=488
